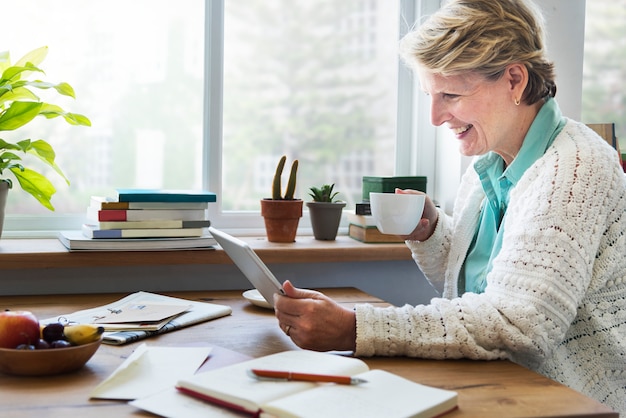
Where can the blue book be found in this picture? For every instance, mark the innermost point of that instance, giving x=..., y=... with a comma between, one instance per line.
x=165, y=195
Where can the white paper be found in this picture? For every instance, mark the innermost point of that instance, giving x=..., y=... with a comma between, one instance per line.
x=170, y=403
x=149, y=370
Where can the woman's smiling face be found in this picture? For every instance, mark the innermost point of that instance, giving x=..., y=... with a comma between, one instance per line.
x=482, y=114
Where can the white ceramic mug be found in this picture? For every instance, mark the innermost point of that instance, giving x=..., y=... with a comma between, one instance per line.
x=396, y=213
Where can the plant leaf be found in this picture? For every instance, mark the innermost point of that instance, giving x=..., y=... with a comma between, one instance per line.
x=44, y=151
x=9, y=156
x=7, y=145
x=15, y=73
x=24, y=145
x=5, y=60
x=62, y=88
x=17, y=94
x=18, y=114
x=77, y=119
x=24, y=106
x=36, y=185
x=8, y=161
x=36, y=56
x=52, y=111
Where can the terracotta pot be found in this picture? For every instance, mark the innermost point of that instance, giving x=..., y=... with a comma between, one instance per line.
x=4, y=192
x=325, y=219
x=281, y=219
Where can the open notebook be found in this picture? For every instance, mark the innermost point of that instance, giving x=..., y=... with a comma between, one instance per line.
x=383, y=395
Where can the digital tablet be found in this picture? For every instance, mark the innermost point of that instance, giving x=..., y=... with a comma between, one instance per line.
x=250, y=264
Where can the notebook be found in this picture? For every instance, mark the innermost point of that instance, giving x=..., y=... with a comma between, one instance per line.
x=383, y=394
x=250, y=264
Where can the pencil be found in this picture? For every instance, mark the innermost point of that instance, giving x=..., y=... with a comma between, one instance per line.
x=308, y=377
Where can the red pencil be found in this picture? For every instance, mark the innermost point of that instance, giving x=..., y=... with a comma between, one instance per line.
x=308, y=377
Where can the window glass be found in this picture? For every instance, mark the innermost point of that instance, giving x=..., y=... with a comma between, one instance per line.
x=137, y=69
x=604, y=70
x=314, y=80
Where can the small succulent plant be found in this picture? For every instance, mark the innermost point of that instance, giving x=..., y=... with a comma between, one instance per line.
x=324, y=193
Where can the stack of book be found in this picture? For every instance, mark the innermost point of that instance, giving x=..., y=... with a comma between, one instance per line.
x=147, y=219
x=363, y=228
x=143, y=213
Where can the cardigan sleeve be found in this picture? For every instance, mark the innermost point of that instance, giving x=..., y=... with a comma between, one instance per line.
x=557, y=218
x=431, y=255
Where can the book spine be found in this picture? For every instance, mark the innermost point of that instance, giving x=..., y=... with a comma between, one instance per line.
x=107, y=203
x=197, y=224
x=143, y=233
x=363, y=208
x=167, y=205
x=158, y=224
x=363, y=220
x=175, y=223
x=102, y=202
x=371, y=234
x=150, y=215
x=139, y=195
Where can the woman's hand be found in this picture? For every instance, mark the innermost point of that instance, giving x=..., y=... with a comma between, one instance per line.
x=314, y=321
x=427, y=224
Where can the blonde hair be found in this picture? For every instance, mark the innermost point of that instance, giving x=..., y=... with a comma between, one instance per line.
x=483, y=36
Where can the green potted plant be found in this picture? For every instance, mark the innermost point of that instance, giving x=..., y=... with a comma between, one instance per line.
x=282, y=213
x=325, y=211
x=19, y=105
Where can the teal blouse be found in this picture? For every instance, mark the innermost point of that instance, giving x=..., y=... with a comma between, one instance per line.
x=497, y=181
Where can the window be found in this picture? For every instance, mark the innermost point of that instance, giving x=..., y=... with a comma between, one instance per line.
x=316, y=80
x=137, y=69
x=604, y=98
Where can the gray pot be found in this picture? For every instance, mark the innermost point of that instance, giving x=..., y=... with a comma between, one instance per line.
x=325, y=219
x=4, y=192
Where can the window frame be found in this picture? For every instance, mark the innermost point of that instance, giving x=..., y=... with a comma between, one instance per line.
x=412, y=156
x=421, y=149
x=415, y=143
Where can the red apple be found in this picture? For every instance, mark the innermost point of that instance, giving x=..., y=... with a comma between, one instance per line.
x=18, y=327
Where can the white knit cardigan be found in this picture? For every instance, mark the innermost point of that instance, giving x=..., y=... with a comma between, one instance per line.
x=555, y=300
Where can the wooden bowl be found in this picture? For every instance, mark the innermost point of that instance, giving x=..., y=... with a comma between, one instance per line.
x=46, y=362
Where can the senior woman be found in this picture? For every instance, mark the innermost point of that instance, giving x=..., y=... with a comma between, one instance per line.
x=531, y=265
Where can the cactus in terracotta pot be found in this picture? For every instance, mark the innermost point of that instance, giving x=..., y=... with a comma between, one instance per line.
x=282, y=213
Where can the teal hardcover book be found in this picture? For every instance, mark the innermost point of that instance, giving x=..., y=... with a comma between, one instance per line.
x=165, y=195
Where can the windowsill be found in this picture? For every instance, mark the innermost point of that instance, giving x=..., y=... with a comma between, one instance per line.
x=50, y=253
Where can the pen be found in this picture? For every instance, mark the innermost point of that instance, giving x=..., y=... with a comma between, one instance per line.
x=286, y=375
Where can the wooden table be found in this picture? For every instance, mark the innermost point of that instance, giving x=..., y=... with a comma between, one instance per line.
x=486, y=389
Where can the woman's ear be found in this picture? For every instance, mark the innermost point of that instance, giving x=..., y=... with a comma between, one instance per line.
x=517, y=77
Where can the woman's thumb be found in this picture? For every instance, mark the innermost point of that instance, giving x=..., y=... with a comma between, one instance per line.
x=296, y=293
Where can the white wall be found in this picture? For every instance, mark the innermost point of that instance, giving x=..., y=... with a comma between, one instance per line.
x=565, y=27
